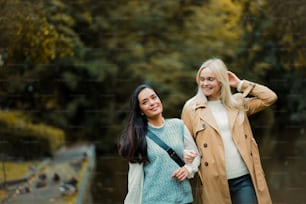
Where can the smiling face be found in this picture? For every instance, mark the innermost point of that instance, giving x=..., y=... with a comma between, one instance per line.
x=150, y=104
x=209, y=84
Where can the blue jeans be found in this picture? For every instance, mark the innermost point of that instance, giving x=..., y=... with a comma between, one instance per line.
x=242, y=190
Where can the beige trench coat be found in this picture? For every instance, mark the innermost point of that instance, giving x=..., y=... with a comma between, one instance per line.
x=203, y=127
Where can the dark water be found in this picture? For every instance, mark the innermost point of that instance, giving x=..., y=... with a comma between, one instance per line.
x=283, y=159
x=110, y=184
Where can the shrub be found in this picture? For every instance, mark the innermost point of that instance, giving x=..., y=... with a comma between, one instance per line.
x=19, y=137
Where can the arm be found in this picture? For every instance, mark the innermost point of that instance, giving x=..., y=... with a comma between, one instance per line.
x=135, y=184
x=262, y=96
x=190, y=145
x=188, y=170
x=186, y=117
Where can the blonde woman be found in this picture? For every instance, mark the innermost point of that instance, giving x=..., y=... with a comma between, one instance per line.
x=230, y=169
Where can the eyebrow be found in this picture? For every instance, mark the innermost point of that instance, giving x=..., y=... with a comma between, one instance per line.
x=209, y=77
x=145, y=99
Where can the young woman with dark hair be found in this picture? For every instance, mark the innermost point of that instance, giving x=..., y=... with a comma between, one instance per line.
x=154, y=177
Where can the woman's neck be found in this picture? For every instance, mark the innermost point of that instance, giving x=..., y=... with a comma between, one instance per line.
x=156, y=121
x=214, y=98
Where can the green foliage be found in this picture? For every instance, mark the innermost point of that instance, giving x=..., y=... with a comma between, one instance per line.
x=31, y=39
x=104, y=50
x=165, y=40
x=29, y=42
x=17, y=131
x=74, y=64
x=213, y=30
x=273, y=45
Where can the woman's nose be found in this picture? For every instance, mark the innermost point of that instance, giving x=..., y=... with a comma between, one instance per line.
x=205, y=82
x=151, y=102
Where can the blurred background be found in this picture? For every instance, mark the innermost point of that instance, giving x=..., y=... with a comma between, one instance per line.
x=68, y=67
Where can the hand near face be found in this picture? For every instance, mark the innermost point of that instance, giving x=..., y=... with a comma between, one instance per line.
x=233, y=79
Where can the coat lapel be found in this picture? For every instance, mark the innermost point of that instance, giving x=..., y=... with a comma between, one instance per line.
x=232, y=117
x=206, y=115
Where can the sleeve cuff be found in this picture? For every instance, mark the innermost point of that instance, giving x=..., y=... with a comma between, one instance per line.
x=240, y=85
x=190, y=171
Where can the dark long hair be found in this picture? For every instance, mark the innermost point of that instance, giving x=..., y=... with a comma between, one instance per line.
x=133, y=145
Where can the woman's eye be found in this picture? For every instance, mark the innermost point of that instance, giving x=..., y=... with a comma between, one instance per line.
x=211, y=79
x=207, y=79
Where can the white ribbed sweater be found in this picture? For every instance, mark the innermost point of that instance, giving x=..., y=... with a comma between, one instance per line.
x=234, y=164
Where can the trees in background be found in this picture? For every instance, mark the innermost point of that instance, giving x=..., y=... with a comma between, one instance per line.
x=274, y=53
x=74, y=64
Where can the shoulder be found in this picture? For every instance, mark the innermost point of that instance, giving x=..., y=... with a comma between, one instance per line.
x=174, y=121
x=175, y=124
x=238, y=101
x=191, y=104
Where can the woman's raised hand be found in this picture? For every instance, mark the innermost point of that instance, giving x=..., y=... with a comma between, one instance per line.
x=233, y=79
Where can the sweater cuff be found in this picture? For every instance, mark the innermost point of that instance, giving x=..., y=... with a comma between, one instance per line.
x=247, y=87
x=190, y=170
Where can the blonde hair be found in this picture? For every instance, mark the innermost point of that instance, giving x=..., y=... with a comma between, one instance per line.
x=219, y=69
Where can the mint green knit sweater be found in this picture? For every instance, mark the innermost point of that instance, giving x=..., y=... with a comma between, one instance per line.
x=159, y=187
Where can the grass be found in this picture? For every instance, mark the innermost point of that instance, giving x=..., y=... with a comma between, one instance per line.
x=14, y=170
x=3, y=194
x=11, y=171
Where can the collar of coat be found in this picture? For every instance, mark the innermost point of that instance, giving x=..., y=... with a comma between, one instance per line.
x=207, y=116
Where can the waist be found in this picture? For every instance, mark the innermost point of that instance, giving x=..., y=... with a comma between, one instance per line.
x=243, y=177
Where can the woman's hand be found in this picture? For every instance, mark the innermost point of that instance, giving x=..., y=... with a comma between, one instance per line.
x=189, y=156
x=233, y=79
x=180, y=174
